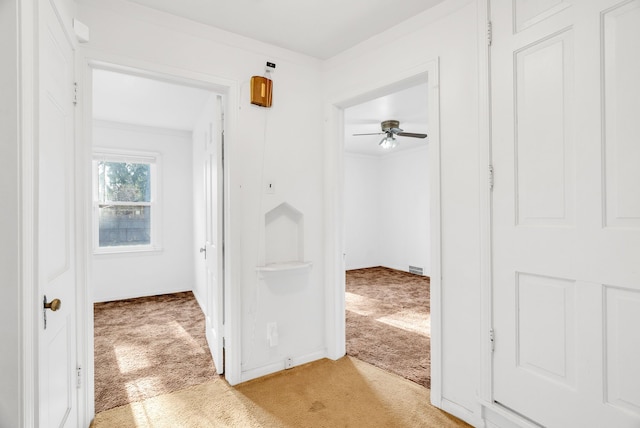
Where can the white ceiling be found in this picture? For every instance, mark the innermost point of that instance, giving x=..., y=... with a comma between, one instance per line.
x=409, y=106
x=319, y=28
x=136, y=100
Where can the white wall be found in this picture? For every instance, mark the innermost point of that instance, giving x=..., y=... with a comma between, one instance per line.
x=387, y=210
x=362, y=199
x=125, y=275
x=448, y=32
x=404, y=211
x=283, y=143
x=9, y=219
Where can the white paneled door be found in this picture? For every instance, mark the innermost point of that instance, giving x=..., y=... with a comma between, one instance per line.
x=566, y=210
x=213, y=188
x=55, y=235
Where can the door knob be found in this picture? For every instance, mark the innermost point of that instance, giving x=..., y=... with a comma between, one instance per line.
x=54, y=305
x=204, y=250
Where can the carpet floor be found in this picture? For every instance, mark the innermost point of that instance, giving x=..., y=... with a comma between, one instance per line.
x=153, y=367
x=325, y=393
x=147, y=347
x=388, y=321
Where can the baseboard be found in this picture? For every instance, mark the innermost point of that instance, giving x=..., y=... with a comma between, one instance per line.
x=404, y=269
x=279, y=366
x=462, y=413
x=137, y=295
x=199, y=300
x=492, y=416
x=499, y=417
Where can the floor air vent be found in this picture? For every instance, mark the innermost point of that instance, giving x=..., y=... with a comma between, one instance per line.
x=416, y=270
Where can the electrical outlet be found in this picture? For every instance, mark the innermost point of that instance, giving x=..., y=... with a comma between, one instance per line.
x=288, y=363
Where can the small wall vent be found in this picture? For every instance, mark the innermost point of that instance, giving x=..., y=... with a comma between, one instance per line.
x=416, y=270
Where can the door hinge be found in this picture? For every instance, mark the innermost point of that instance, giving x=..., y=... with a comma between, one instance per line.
x=490, y=177
x=492, y=340
x=75, y=93
x=79, y=377
x=489, y=33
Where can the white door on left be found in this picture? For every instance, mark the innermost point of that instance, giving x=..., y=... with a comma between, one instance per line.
x=55, y=237
x=214, y=237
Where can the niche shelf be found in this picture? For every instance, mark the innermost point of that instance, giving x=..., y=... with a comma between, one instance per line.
x=283, y=267
x=284, y=240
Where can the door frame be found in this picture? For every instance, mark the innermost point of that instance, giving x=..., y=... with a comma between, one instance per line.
x=86, y=61
x=334, y=209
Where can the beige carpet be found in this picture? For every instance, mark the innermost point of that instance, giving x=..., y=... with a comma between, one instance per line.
x=148, y=346
x=388, y=321
x=343, y=393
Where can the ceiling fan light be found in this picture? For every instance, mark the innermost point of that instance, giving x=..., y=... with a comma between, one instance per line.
x=388, y=142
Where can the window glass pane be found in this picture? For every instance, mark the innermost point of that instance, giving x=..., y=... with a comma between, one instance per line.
x=124, y=225
x=124, y=182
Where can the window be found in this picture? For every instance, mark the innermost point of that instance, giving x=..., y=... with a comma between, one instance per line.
x=125, y=203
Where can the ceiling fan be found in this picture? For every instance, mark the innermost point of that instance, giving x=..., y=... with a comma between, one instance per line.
x=391, y=128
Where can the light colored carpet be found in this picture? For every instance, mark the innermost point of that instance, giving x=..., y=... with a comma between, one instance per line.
x=388, y=321
x=149, y=346
x=325, y=393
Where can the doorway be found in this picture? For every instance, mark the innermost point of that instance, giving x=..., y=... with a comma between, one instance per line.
x=158, y=194
x=387, y=262
x=428, y=75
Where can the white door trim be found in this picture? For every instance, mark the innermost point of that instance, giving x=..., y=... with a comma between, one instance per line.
x=334, y=208
x=486, y=174
x=87, y=60
x=28, y=206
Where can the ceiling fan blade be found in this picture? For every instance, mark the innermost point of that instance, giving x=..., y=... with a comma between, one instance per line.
x=411, y=134
x=375, y=133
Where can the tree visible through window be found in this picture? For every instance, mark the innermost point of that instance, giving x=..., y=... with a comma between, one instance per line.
x=124, y=202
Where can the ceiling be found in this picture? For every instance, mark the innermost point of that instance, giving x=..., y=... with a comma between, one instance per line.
x=318, y=28
x=409, y=106
x=137, y=100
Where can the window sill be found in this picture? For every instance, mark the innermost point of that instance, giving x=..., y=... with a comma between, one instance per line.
x=127, y=250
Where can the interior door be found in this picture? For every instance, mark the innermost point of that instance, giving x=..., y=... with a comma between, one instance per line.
x=213, y=173
x=55, y=235
x=566, y=210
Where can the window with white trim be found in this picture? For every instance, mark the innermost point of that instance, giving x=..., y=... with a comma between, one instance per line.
x=125, y=203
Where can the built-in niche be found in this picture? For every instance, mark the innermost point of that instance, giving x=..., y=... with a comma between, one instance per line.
x=284, y=239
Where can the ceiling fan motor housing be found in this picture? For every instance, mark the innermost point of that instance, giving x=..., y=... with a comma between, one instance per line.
x=388, y=125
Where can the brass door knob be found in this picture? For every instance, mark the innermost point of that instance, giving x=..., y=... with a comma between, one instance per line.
x=54, y=305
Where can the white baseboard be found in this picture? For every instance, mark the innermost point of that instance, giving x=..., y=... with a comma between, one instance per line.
x=137, y=295
x=462, y=413
x=500, y=417
x=279, y=366
x=199, y=300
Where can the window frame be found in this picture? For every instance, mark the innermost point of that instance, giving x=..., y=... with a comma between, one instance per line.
x=153, y=159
